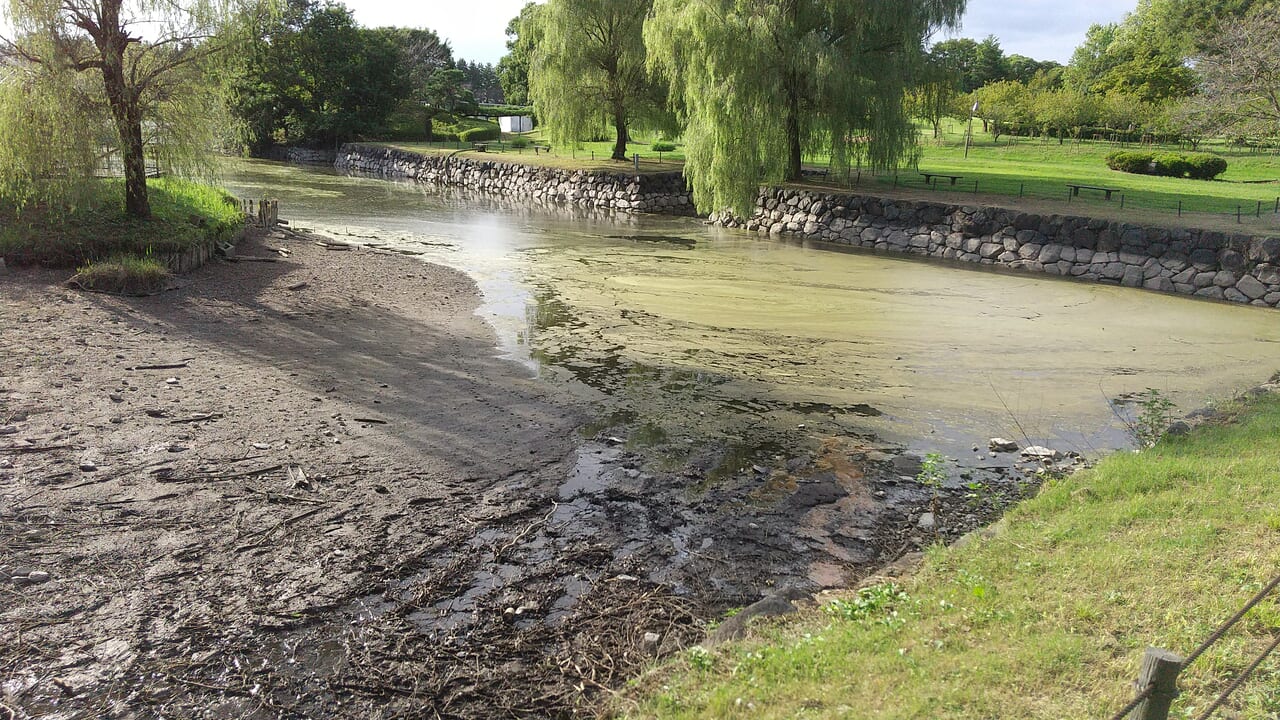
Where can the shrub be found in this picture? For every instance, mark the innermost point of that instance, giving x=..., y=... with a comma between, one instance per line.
x=519, y=142
x=480, y=134
x=1200, y=166
x=1130, y=162
x=663, y=146
x=1171, y=165
x=1203, y=166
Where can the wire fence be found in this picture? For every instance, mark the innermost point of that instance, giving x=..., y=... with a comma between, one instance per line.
x=1238, y=210
x=1157, y=683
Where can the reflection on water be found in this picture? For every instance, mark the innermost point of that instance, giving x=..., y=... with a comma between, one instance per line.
x=691, y=332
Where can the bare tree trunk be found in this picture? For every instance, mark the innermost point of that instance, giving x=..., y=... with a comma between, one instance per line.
x=620, y=125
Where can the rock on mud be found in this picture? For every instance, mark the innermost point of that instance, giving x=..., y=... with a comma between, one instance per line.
x=1002, y=445
x=1038, y=452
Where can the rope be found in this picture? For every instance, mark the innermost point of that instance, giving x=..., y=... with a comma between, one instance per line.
x=1235, y=684
x=1213, y=638
x=1217, y=634
x=1134, y=702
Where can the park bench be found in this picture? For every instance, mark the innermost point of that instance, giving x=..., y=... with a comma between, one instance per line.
x=1075, y=190
x=544, y=148
x=479, y=147
x=928, y=177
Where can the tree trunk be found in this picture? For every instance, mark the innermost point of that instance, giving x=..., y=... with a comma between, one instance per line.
x=620, y=124
x=792, y=128
x=128, y=119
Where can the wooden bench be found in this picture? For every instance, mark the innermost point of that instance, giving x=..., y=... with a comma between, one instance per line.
x=1075, y=190
x=479, y=147
x=928, y=177
x=544, y=148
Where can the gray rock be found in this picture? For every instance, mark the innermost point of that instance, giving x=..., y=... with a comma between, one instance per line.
x=1178, y=428
x=8, y=430
x=1250, y=286
x=1039, y=452
x=1051, y=254
x=1232, y=260
x=776, y=604
x=1002, y=445
x=38, y=576
x=1160, y=284
x=907, y=465
x=927, y=521
x=1133, y=276
x=1224, y=278
x=88, y=467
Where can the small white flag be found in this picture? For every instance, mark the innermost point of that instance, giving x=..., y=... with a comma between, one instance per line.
x=975, y=106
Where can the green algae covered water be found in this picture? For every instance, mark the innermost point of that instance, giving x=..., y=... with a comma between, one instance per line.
x=687, y=333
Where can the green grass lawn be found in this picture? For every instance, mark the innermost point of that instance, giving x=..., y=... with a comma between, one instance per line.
x=591, y=156
x=1049, y=618
x=1041, y=168
x=183, y=214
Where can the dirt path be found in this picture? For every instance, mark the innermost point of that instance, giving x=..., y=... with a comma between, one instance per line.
x=339, y=503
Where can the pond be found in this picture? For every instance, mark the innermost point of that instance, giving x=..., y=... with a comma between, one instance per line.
x=687, y=333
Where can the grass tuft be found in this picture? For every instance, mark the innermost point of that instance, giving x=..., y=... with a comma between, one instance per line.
x=123, y=274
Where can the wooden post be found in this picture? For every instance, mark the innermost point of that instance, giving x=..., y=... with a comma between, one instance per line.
x=1159, y=668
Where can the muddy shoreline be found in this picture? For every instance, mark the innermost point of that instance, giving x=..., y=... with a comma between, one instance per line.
x=310, y=488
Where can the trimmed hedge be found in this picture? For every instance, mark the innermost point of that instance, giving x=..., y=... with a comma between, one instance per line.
x=480, y=134
x=1198, y=166
x=663, y=146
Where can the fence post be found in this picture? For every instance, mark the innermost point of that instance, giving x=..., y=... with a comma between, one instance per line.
x=1159, y=668
x=1179, y=208
x=636, y=159
x=1238, y=215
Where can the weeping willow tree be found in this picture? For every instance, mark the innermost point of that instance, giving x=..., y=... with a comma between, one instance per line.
x=758, y=83
x=588, y=70
x=96, y=78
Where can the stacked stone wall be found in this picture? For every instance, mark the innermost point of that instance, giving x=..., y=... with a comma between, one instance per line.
x=663, y=193
x=1236, y=267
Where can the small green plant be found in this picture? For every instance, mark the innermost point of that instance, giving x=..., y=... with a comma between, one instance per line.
x=933, y=473
x=1152, y=414
x=877, y=603
x=700, y=658
x=663, y=146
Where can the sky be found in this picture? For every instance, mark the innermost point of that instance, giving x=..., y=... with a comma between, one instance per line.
x=1040, y=29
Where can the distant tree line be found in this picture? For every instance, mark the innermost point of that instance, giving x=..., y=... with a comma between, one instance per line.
x=1179, y=70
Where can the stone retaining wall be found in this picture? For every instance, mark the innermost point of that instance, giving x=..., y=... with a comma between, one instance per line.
x=1239, y=268
x=663, y=193
x=301, y=156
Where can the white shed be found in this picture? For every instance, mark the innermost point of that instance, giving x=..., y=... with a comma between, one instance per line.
x=515, y=123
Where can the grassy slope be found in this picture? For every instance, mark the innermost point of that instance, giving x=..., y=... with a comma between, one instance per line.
x=1050, y=618
x=183, y=214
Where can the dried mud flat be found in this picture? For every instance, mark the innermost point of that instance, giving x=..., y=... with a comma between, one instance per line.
x=309, y=488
